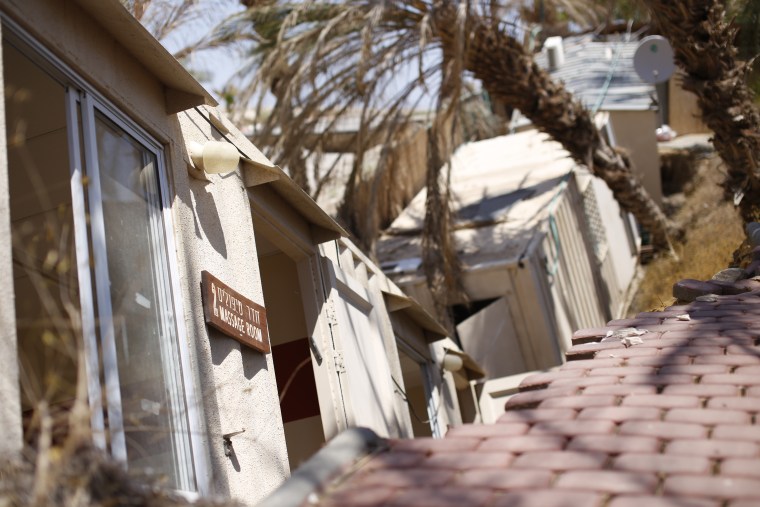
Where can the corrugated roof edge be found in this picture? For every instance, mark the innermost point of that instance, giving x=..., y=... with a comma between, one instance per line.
x=335, y=459
x=183, y=90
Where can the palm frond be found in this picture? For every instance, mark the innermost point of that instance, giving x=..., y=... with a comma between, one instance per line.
x=314, y=63
x=703, y=44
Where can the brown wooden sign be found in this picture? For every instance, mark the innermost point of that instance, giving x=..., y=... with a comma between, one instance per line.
x=234, y=315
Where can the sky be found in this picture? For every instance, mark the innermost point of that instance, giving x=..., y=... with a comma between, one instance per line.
x=214, y=68
x=217, y=64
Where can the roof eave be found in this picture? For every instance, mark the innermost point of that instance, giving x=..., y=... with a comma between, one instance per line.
x=415, y=311
x=323, y=227
x=182, y=90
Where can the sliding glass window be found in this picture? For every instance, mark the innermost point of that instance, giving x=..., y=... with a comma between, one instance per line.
x=88, y=186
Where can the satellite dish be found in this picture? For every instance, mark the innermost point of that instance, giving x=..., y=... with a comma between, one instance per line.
x=653, y=59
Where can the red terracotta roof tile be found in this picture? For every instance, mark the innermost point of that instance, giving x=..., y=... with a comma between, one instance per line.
x=615, y=444
x=662, y=463
x=708, y=416
x=621, y=414
x=468, y=460
x=713, y=448
x=549, y=498
x=590, y=364
x=361, y=496
x=531, y=399
x=701, y=390
x=572, y=428
x=666, y=401
x=661, y=501
x=621, y=390
x=579, y=402
x=506, y=479
x=442, y=497
x=661, y=360
x=748, y=433
x=537, y=414
x=526, y=443
x=713, y=487
x=608, y=481
x=693, y=369
x=561, y=460
x=732, y=360
x=600, y=380
x=673, y=421
x=490, y=430
x=541, y=380
x=663, y=430
x=741, y=467
x=623, y=370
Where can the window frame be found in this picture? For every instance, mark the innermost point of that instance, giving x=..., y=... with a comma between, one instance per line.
x=82, y=100
x=433, y=398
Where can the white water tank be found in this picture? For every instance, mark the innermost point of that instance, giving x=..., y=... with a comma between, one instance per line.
x=555, y=52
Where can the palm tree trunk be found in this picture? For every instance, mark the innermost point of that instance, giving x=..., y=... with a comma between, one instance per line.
x=510, y=76
x=703, y=44
x=440, y=261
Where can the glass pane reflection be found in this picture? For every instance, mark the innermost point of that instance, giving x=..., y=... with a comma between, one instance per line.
x=154, y=411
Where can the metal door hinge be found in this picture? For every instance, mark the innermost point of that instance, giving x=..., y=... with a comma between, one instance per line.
x=340, y=366
x=332, y=320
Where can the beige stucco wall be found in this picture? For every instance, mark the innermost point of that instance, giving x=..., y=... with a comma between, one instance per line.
x=10, y=405
x=238, y=388
x=635, y=131
x=213, y=232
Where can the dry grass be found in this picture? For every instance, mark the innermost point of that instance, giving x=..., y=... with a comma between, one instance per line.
x=78, y=475
x=713, y=230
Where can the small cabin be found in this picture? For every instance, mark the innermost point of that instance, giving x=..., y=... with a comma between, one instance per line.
x=544, y=247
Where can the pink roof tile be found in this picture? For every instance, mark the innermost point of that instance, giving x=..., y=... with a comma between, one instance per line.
x=674, y=421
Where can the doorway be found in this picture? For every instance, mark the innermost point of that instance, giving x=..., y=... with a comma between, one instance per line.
x=291, y=351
